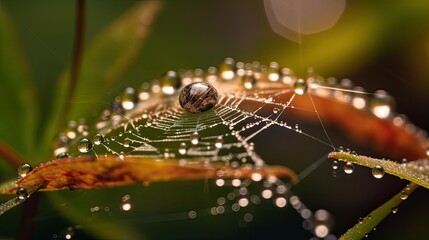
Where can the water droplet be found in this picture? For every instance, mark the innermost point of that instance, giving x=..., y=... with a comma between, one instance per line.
x=335, y=164
x=273, y=72
x=166, y=153
x=195, y=138
x=248, y=217
x=170, y=82
x=198, y=97
x=24, y=169
x=62, y=155
x=378, y=172
x=128, y=98
x=227, y=69
x=349, y=168
x=219, y=142
x=287, y=76
x=403, y=195
x=22, y=193
x=394, y=210
x=127, y=142
x=300, y=86
x=84, y=145
x=69, y=233
x=98, y=139
x=276, y=110
x=126, y=203
x=144, y=92
x=280, y=202
x=182, y=148
x=381, y=104
x=192, y=214
x=249, y=80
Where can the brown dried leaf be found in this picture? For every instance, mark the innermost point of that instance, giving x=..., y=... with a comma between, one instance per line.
x=108, y=171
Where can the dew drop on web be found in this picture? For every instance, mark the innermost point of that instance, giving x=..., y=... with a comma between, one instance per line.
x=84, y=145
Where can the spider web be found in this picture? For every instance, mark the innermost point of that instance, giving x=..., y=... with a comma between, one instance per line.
x=255, y=103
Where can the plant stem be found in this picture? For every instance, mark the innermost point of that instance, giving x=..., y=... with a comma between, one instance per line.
x=77, y=56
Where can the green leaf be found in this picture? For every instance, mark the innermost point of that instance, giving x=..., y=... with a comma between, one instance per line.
x=414, y=171
x=17, y=97
x=361, y=229
x=104, y=63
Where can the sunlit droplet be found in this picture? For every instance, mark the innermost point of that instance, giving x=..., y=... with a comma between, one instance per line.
x=128, y=98
x=243, y=202
x=280, y=202
x=84, y=145
x=249, y=80
x=236, y=182
x=349, y=168
x=300, y=86
x=126, y=203
x=170, y=83
x=273, y=72
x=378, y=172
x=381, y=104
x=182, y=148
x=394, y=210
x=69, y=233
x=195, y=138
x=227, y=69
x=321, y=231
x=24, y=169
x=267, y=194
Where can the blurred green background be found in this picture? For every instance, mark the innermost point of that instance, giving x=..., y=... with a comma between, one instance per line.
x=377, y=44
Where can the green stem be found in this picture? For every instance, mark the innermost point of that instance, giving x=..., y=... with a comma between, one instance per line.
x=361, y=229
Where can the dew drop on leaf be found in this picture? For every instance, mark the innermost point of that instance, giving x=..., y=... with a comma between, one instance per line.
x=24, y=169
x=84, y=145
x=62, y=155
